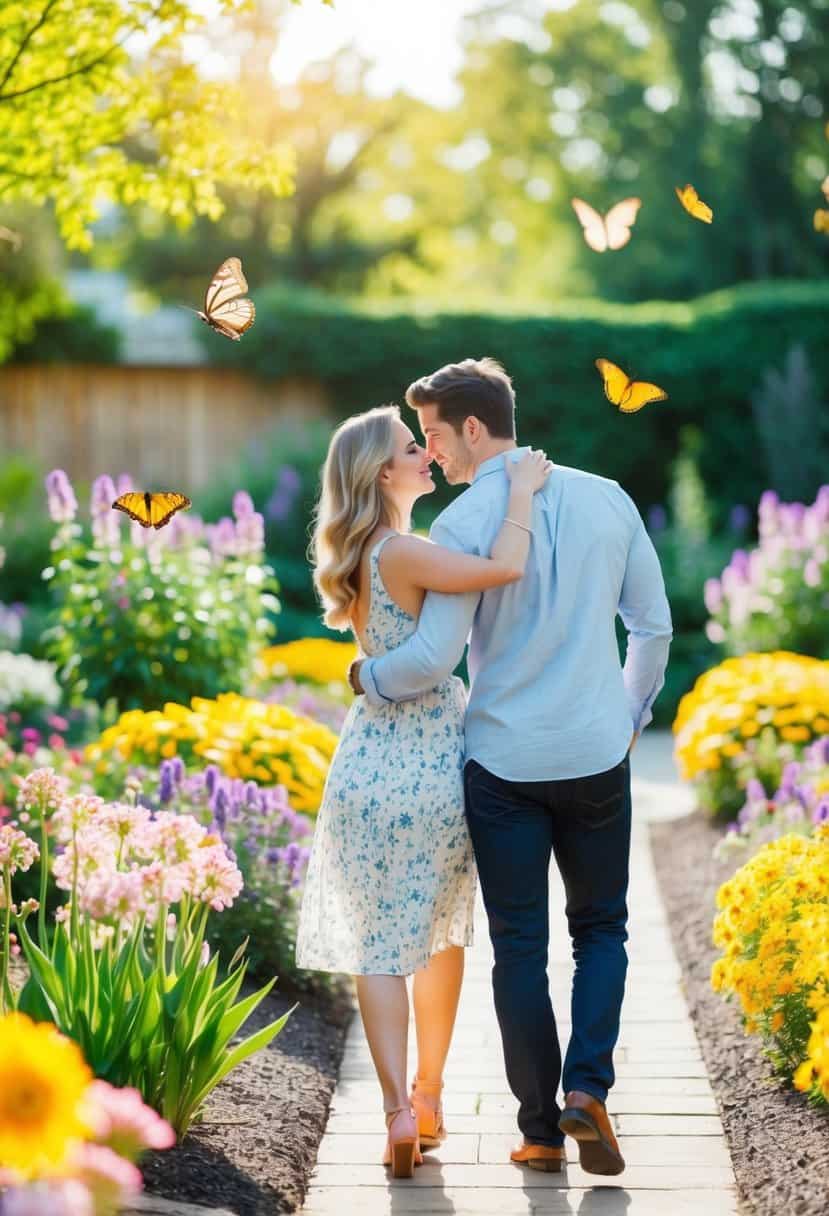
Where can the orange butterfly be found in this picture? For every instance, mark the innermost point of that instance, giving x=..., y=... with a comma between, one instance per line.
x=224, y=310
x=151, y=510
x=626, y=394
x=693, y=204
x=611, y=231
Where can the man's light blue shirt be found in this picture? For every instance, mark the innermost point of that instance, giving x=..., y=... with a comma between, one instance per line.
x=549, y=698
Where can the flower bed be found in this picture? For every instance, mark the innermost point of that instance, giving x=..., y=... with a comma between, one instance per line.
x=247, y=739
x=775, y=597
x=745, y=719
x=773, y=929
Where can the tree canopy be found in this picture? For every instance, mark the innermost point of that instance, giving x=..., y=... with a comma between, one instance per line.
x=98, y=103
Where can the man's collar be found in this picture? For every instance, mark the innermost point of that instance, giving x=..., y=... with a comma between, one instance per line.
x=494, y=463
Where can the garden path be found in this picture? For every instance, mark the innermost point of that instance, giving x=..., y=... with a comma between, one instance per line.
x=662, y=1105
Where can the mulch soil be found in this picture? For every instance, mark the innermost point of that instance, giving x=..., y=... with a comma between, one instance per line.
x=779, y=1144
x=254, y=1152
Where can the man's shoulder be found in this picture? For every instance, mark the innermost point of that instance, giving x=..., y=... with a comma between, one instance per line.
x=463, y=508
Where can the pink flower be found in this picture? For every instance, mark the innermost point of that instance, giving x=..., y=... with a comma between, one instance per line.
x=63, y=1197
x=111, y=1180
x=17, y=850
x=56, y=742
x=41, y=790
x=124, y=1123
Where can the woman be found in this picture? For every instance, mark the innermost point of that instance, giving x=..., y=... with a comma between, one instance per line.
x=390, y=887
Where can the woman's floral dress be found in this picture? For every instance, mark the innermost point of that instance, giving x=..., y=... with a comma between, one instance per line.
x=391, y=876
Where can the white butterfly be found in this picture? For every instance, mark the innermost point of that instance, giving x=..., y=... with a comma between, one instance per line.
x=611, y=231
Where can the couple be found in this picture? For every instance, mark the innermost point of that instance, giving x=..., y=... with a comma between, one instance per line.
x=531, y=564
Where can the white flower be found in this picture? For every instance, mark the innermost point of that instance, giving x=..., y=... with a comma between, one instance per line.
x=26, y=681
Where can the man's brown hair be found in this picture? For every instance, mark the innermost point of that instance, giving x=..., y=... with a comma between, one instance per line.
x=475, y=387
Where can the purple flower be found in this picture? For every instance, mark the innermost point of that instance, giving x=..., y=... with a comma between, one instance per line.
x=220, y=808
x=211, y=774
x=63, y=505
x=167, y=785
x=712, y=593
x=178, y=769
x=657, y=518
x=251, y=793
x=739, y=517
x=222, y=537
x=242, y=505
x=821, y=811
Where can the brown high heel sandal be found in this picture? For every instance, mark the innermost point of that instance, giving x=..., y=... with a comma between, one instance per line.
x=402, y=1148
x=430, y=1124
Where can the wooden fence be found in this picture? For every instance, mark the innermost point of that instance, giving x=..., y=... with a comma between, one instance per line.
x=167, y=427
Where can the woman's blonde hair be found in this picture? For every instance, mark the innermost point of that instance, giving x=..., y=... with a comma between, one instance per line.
x=350, y=507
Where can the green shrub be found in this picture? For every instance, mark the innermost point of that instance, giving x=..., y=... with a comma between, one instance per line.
x=710, y=354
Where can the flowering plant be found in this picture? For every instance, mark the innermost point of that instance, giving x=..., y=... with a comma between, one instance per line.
x=126, y=972
x=157, y=615
x=776, y=596
x=745, y=718
x=245, y=738
x=270, y=842
x=24, y=748
x=74, y=1153
x=310, y=676
x=799, y=804
x=27, y=684
x=318, y=661
x=773, y=929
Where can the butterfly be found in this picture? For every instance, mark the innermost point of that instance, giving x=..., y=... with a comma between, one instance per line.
x=151, y=510
x=611, y=231
x=628, y=395
x=693, y=204
x=224, y=310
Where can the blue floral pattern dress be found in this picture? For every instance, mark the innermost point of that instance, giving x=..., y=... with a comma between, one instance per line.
x=391, y=877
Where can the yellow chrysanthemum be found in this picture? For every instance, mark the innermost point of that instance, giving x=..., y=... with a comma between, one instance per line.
x=43, y=1077
x=318, y=660
x=243, y=736
x=733, y=701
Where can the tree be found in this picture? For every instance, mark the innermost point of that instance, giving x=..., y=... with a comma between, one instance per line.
x=99, y=104
x=335, y=128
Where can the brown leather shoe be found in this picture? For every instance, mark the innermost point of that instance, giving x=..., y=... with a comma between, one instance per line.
x=586, y=1120
x=544, y=1157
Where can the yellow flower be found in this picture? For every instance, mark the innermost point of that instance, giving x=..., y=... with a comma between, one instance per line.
x=43, y=1078
x=243, y=736
x=318, y=660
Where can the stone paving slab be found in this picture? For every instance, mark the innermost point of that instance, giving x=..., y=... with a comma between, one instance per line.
x=595, y=1201
x=662, y=1105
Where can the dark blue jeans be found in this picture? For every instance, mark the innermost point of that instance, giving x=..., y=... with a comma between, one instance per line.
x=515, y=825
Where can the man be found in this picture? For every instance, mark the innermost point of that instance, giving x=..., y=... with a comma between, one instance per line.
x=549, y=726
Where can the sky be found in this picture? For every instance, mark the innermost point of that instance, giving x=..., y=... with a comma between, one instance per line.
x=415, y=45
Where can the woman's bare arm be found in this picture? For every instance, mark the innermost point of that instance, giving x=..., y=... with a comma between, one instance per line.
x=434, y=568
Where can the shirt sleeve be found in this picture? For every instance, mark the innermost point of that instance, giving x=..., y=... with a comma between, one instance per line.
x=433, y=652
x=646, y=614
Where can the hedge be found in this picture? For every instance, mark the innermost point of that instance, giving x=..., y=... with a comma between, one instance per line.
x=709, y=354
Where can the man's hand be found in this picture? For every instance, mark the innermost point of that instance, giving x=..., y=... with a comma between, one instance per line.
x=354, y=678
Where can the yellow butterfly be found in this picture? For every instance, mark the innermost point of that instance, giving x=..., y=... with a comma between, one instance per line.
x=611, y=231
x=693, y=204
x=224, y=310
x=626, y=394
x=151, y=510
